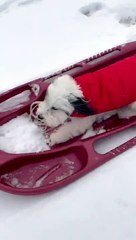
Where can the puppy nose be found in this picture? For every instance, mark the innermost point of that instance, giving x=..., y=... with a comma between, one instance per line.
x=40, y=116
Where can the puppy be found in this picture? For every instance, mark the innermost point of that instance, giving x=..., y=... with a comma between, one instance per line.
x=67, y=108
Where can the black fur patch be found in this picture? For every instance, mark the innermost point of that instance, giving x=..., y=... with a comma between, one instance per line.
x=81, y=106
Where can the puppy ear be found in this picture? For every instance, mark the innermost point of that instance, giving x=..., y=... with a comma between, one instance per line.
x=72, y=98
x=80, y=105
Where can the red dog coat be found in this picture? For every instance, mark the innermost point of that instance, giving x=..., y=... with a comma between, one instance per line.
x=111, y=87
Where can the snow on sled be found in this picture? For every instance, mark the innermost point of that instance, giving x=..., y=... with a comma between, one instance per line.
x=44, y=171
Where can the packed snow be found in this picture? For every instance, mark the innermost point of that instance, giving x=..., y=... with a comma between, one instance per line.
x=22, y=135
x=39, y=37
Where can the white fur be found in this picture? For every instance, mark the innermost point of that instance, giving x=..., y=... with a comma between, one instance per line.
x=57, y=96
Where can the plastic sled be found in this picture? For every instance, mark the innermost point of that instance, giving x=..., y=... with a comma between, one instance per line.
x=67, y=162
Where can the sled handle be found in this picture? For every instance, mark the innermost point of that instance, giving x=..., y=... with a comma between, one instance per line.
x=41, y=86
x=97, y=61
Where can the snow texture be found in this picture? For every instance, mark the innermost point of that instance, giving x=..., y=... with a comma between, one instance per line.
x=22, y=135
x=40, y=37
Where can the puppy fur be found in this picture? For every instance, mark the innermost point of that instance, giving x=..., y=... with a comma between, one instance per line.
x=56, y=109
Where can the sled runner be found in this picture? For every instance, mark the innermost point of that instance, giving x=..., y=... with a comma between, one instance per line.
x=36, y=173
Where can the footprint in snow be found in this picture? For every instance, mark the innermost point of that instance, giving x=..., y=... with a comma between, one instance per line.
x=27, y=2
x=126, y=15
x=91, y=8
x=128, y=21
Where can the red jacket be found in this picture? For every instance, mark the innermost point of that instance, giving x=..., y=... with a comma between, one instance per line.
x=111, y=87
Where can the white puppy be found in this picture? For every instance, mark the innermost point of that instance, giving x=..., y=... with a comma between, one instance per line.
x=59, y=105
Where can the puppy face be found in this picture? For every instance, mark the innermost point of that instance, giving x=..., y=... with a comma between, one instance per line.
x=56, y=107
x=50, y=115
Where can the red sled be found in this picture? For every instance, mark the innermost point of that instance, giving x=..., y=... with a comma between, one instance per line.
x=67, y=162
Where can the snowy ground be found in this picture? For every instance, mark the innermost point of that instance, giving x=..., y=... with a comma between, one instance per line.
x=38, y=37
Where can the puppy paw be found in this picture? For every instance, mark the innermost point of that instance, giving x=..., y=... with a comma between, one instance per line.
x=49, y=141
x=52, y=139
x=56, y=138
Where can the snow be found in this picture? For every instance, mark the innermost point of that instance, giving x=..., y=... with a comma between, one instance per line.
x=50, y=37
x=22, y=135
x=39, y=37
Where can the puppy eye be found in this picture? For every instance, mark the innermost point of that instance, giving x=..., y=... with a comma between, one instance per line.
x=53, y=108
